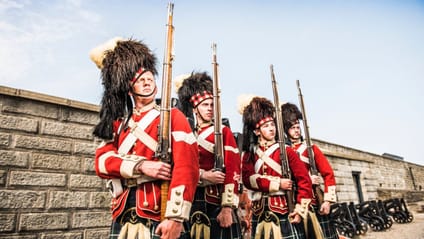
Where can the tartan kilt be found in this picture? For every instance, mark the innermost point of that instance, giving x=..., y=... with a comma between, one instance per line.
x=116, y=229
x=328, y=228
x=288, y=230
x=211, y=210
x=116, y=226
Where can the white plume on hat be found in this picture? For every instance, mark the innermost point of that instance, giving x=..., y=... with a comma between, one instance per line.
x=178, y=81
x=98, y=53
x=243, y=101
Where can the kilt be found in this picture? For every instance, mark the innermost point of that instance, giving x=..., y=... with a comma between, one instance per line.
x=211, y=210
x=116, y=226
x=327, y=227
x=288, y=230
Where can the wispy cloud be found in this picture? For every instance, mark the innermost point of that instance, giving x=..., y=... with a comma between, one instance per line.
x=29, y=30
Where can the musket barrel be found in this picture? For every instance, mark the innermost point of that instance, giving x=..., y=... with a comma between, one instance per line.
x=219, y=147
x=280, y=129
x=319, y=194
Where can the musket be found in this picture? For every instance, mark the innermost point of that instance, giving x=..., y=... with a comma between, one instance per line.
x=285, y=169
x=319, y=194
x=219, y=147
x=163, y=151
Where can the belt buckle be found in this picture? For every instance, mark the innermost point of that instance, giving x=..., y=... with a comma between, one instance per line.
x=131, y=182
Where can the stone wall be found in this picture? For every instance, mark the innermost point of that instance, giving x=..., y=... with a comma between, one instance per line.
x=48, y=187
x=378, y=174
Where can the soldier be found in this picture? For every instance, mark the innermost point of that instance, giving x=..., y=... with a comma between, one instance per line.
x=262, y=174
x=213, y=214
x=292, y=116
x=129, y=121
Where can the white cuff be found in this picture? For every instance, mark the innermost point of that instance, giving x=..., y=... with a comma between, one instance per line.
x=331, y=194
x=176, y=207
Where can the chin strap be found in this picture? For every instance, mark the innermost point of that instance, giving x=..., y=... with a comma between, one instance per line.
x=141, y=95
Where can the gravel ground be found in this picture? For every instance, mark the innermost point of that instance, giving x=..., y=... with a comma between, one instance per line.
x=412, y=230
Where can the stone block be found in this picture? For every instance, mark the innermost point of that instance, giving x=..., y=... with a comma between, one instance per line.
x=31, y=178
x=100, y=200
x=98, y=233
x=85, y=117
x=85, y=148
x=5, y=139
x=43, y=221
x=7, y=222
x=42, y=143
x=88, y=164
x=65, y=199
x=31, y=107
x=18, y=123
x=56, y=162
x=64, y=129
x=22, y=199
x=68, y=235
x=14, y=158
x=85, y=181
x=91, y=219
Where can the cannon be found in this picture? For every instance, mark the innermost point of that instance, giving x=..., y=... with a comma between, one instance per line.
x=342, y=219
x=369, y=212
x=398, y=210
x=360, y=224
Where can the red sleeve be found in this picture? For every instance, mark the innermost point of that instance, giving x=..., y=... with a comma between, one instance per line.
x=247, y=170
x=232, y=159
x=324, y=168
x=184, y=155
x=301, y=175
x=108, y=162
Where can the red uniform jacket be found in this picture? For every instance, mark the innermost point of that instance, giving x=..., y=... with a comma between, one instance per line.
x=116, y=160
x=205, y=140
x=323, y=167
x=263, y=175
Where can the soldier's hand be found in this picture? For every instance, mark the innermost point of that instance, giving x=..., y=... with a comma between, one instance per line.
x=155, y=169
x=286, y=184
x=224, y=218
x=215, y=177
x=169, y=229
x=325, y=208
x=295, y=218
x=315, y=179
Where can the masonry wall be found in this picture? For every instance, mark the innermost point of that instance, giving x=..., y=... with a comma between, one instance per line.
x=48, y=187
x=378, y=175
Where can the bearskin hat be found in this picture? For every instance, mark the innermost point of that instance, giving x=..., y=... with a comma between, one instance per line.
x=119, y=61
x=291, y=114
x=192, y=90
x=257, y=112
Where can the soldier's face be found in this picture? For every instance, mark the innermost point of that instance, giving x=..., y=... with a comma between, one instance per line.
x=294, y=132
x=204, y=111
x=267, y=131
x=144, y=87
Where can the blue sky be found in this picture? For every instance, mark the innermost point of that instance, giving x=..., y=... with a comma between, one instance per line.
x=360, y=63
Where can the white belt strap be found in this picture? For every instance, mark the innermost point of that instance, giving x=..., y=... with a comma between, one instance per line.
x=145, y=138
x=201, y=139
x=265, y=157
x=129, y=141
x=300, y=151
